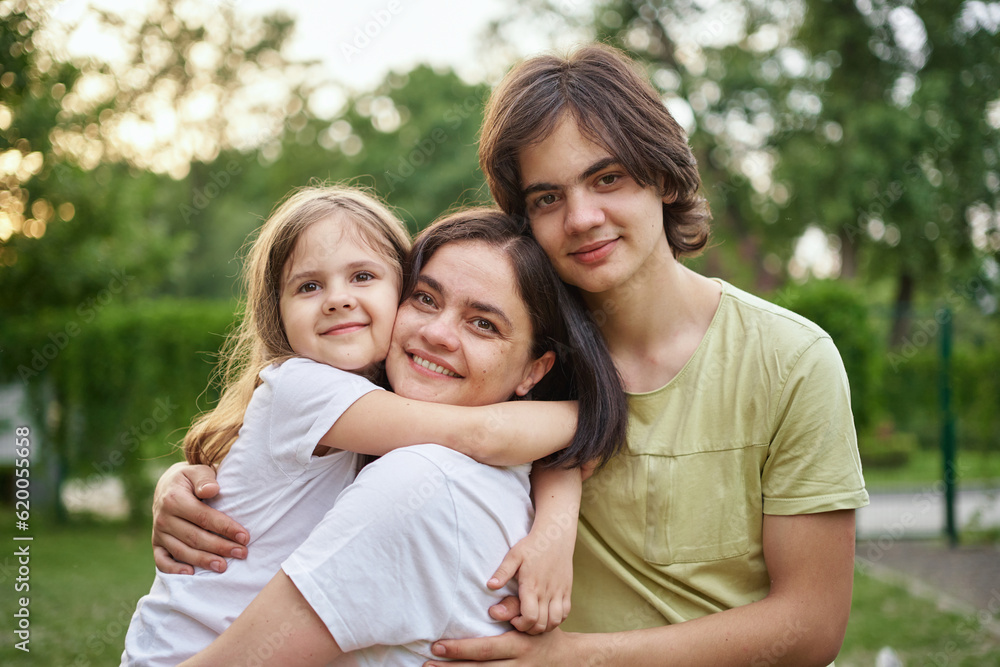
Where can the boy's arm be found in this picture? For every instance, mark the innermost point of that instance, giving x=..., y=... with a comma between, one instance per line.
x=543, y=560
x=502, y=434
x=801, y=621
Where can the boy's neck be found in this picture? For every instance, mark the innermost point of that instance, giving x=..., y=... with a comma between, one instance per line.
x=654, y=322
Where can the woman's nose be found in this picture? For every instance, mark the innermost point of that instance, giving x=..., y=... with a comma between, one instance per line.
x=441, y=332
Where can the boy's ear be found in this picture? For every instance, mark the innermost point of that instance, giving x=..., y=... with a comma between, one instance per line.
x=535, y=372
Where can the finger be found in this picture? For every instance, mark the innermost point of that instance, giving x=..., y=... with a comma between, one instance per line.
x=529, y=611
x=182, y=539
x=178, y=503
x=164, y=563
x=508, y=568
x=502, y=647
x=183, y=554
x=507, y=609
x=203, y=480
x=556, y=614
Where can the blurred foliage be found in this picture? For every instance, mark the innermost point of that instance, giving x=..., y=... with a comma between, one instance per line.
x=843, y=313
x=128, y=189
x=115, y=382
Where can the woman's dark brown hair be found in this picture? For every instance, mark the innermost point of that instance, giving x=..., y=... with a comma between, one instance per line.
x=583, y=369
x=614, y=106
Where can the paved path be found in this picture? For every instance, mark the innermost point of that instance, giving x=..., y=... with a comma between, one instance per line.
x=921, y=513
x=965, y=579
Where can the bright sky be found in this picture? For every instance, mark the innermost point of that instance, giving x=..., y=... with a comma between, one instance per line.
x=360, y=41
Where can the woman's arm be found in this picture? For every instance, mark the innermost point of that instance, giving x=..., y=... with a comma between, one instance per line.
x=801, y=621
x=277, y=628
x=502, y=434
x=543, y=560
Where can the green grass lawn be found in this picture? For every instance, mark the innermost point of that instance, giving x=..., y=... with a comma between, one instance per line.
x=85, y=580
x=925, y=468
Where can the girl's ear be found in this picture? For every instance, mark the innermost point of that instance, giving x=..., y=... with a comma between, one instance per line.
x=535, y=372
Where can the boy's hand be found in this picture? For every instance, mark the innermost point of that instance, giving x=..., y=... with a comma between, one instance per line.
x=186, y=531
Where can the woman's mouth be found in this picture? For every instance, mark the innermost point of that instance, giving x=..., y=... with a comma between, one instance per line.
x=431, y=366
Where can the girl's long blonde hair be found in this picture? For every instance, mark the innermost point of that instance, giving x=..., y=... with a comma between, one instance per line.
x=259, y=339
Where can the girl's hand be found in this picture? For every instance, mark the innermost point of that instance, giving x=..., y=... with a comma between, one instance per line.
x=544, y=570
x=186, y=531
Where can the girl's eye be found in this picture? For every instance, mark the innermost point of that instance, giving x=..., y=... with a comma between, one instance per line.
x=364, y=276
x=483, y=324
x=309, y=287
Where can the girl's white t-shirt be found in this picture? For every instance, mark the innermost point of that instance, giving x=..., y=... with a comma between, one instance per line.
x=275, y=488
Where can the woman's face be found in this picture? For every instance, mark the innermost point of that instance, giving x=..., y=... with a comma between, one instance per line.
x=464, y=336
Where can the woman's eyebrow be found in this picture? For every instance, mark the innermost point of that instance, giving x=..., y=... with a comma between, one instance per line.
x=493, y=310
x=475, y=305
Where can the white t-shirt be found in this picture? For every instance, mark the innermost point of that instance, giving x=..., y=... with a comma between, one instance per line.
x=275, y=488
x=403, y=558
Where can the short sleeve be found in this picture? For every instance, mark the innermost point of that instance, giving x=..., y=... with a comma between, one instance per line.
x=307, y=399
x=813, y=463
x=382, y=566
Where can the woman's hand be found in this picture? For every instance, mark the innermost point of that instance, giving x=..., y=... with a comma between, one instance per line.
x=186, y=531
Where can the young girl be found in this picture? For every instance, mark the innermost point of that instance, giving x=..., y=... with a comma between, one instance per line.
x=323, y=284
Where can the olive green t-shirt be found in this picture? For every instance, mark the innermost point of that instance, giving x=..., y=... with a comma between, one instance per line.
x=757, y=422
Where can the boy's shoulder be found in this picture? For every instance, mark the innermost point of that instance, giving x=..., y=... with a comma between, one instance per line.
x=779, y=323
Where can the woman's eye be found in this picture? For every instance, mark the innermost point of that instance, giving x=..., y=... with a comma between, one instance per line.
x=483, y=324
x=423, y=299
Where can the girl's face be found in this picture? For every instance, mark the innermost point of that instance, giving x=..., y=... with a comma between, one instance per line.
x=338, y=298
x=464, y=336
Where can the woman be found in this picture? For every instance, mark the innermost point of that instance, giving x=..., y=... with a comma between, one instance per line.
x=403, y=557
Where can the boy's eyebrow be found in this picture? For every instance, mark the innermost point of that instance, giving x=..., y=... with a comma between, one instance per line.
x=601, y=164
x=475, y=305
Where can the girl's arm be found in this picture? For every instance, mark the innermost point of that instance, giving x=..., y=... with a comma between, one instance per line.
x=277, y=628
x=502, y=434
x=543, y=561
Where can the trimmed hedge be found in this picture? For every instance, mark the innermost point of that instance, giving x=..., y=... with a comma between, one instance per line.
x=114, y=386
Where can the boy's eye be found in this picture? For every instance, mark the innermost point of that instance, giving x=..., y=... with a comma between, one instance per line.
x=608, y=179
x=545, y=200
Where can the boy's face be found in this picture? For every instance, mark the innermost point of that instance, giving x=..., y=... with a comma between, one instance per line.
x=598, y=226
